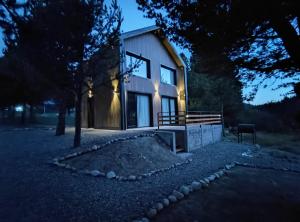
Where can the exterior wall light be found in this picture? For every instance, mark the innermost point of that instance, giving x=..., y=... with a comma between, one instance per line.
x=90, y=93
x=182, y=95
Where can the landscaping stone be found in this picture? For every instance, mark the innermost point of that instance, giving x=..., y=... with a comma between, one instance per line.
x=95, y=173
x=166, y=202
x=110, y=175
x=132, y=177
x=196, y=185
x=185, y=190
x=227, y=167
x=145, y=219
x=151, y=213
x=172, y=198
x=178, y=195
x=212, y=178
x=159, y=206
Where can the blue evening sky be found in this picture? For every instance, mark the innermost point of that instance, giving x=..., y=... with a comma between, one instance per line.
x=134, y=19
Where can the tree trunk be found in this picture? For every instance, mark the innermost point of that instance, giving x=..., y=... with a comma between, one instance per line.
x=23, y=117
x=288, y=35
x=77, y=137
x=61, y=123
x=31, y=114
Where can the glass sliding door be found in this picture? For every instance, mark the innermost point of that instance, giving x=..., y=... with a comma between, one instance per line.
x=165, y=109
x=143, y=111
x=131, y=110
x=169, y=109
x=172, y=110
x=138, y=110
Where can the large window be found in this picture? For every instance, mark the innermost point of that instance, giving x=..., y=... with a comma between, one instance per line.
x=139, y=65
x=167, y=75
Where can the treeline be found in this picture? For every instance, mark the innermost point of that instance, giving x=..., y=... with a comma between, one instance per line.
x=283, y=116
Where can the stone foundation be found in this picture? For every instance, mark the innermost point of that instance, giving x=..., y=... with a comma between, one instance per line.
x=198, y=135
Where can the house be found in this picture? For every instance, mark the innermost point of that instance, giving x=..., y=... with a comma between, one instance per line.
x=156, y=84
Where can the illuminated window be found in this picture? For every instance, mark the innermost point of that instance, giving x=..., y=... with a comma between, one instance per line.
x=167, y=75
x=139, y=65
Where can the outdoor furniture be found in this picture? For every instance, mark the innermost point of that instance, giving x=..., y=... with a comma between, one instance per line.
x=246, y=128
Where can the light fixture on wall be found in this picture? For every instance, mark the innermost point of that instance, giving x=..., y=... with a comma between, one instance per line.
x=90, y=93
x=181, y=95
x=156, y=88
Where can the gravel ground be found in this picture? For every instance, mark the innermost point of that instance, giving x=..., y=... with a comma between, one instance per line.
x=31, y=189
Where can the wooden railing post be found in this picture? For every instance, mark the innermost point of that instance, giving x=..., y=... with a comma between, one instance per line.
x=158, y=120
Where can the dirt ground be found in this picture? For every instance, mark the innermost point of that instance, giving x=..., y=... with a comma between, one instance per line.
x=247, y=194
x=132, y=157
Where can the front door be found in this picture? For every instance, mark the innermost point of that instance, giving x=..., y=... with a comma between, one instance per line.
x=138, y=110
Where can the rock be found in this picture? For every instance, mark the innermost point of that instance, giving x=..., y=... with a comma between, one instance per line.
x=178, y=195
x=151, y=213
x=110, y=175
x=94, y=147
x=145, y=219
x=190, y=188
x=172, y=198
x=196, y=185
x=227, y=167
x=132, y=177
x=257, y=146
x=159, y=206
x=212, y=177
x=206, y=180
x=185, y=190
x=95, y=173
x=166, y=202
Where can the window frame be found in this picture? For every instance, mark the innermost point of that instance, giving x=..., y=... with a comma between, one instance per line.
x=148, y=70
x=174, y=72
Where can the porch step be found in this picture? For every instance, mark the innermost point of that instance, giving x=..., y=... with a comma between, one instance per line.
x=179, y=149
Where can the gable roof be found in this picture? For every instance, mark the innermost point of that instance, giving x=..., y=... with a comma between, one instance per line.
x=165, y=41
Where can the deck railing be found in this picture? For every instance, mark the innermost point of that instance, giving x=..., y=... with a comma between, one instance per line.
x=184, y=118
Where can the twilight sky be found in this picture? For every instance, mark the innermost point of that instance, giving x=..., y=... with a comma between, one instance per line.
x=133, y=19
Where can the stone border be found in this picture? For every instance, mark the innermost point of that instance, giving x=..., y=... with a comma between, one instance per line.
x=111, y=174
x=183, y=191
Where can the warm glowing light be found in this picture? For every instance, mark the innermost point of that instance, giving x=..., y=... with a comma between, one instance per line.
x=182, y=95
x=90, y=93
x=156, y=88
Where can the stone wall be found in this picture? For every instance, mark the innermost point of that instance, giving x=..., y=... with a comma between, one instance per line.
x=198, y=135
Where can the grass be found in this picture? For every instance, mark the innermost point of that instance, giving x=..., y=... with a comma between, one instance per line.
x=289, y=142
